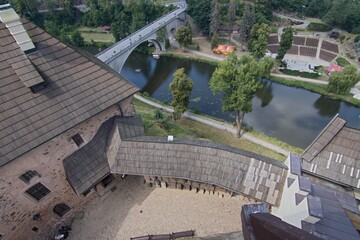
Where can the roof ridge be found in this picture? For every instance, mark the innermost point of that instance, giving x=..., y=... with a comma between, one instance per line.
x=319, y=135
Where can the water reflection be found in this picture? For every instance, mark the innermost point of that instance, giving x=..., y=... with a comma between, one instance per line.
x=290, y=114
x=265, y=94
x=326, y=106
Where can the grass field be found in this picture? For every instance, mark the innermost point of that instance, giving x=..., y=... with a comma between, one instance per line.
x=185, y=128
x=96, y=34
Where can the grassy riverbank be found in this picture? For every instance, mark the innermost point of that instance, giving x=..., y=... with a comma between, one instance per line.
x=190, y=129
x=317, y=88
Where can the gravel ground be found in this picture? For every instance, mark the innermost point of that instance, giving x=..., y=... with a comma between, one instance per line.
x=135, y=210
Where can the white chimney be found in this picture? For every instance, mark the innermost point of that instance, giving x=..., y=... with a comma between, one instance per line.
x=12, y=21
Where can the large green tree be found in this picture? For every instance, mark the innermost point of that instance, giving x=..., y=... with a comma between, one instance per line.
x=258, y=42
x=184, y=36
x=200, y=11
x=238, y=80
x=341, y=82
x=231, y=17
x=215, y=17
x=285, y=43
x=247, y=22
x=180, y=88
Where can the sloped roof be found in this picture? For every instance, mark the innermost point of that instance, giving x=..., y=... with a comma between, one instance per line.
x=335, y=154
x=89, y=165
x=334, y=224
x=230, y=168
x=77, y=87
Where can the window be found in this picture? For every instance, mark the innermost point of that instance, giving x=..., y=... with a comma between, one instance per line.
x=38, y=191
x=35, y=229
x=61, y=208
x=37, y=87
x=26, y=177
x=77, y=139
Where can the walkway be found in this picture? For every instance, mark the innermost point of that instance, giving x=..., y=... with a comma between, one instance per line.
x=288, y=77
x=217, y=124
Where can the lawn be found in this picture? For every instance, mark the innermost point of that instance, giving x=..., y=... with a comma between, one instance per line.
x=190, y=129
x=96, y=34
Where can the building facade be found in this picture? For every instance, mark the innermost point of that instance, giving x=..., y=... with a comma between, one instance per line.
x=53, y=100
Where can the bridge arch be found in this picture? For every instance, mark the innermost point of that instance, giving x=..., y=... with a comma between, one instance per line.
x=116, y=55
x=119, y=58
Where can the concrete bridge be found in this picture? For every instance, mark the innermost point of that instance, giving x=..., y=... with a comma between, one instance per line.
x=116, y=55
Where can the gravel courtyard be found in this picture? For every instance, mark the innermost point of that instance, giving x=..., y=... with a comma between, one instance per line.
x=134, y=209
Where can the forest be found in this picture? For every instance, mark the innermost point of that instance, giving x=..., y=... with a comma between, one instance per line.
x=343, y=14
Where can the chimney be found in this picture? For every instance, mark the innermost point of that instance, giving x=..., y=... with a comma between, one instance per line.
x=12, y=21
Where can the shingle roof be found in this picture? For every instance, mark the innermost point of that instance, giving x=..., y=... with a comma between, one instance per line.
x=236, y=170
x=87, y=166
x=335, y=154
x=334, y=223
x=77, y=87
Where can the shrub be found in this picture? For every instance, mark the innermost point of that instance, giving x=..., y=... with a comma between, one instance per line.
x=342, y=61
x=357, y=38
x=321, y=27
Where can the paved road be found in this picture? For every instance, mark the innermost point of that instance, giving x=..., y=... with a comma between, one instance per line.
x=217, y=124
x=139, y=36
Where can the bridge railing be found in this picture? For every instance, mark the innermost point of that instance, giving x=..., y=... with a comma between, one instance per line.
x=139, y=30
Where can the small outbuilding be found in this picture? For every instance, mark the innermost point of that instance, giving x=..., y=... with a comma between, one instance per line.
x=333, y=68
x=106, y=28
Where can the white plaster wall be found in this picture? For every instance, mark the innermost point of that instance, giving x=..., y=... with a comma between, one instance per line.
x=17, y=208
x=288, y=211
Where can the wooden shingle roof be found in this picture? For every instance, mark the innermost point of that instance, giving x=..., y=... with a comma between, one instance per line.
x=77, y=88
x=335, y=154
x=230, y=168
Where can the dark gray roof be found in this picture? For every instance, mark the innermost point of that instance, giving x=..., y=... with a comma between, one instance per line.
x=231, y=168
x=335, y=154
x=227, y=167
x=87, y=166
x=77, y=88
x=334, y=223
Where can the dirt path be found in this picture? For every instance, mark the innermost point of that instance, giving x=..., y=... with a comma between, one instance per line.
x=134, y=209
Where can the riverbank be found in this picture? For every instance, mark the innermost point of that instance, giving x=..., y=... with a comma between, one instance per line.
x=313, y=85
x=223, y=132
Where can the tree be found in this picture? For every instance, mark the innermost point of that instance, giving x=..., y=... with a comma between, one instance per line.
x=52, y=28
x=77, y=39
x=231, y=17
x=215, y=17
x=285, y=43
x=238, y=79
x=341, y=82
x=184, y=36
x=26, y=8
x=180, y=88
x=258, y=42
x=247, y=22
x=200, y=11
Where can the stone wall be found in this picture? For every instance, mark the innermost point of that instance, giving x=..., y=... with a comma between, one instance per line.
x=17, y=207
x=182, y=184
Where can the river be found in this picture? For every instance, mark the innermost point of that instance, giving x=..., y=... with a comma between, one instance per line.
x=293, y=115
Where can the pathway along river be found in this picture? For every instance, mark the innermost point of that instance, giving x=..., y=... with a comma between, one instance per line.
x=290, y=114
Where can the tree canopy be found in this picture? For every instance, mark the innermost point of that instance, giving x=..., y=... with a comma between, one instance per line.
x=258, y=42
x=238, y=80
x=184, y=36
x=200, y=11
x=285, y=43
x=341, y=82
x=247, y=22
x=180, y=88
